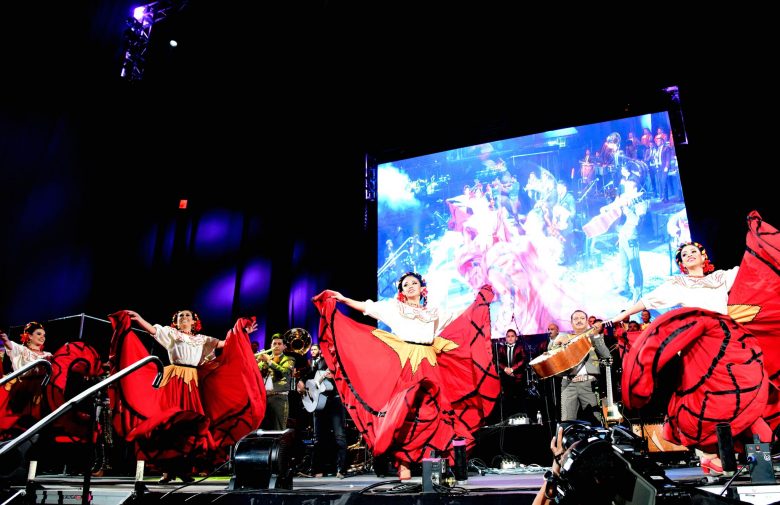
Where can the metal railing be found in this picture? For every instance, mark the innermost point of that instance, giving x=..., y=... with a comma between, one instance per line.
x=26, y=368
x=65, y=407
x=32, y=431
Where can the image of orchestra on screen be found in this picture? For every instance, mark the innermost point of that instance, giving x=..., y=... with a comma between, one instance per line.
x=581, y=217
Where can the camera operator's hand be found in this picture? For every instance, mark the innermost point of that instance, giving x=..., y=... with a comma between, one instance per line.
x=556, y=446
x=549, y=490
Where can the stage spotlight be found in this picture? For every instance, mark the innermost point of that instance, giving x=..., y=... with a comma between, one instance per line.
x=137, y=36
x=261, y=460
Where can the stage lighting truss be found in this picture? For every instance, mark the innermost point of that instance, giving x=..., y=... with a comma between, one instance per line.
x=370, y=179
x=138, y=34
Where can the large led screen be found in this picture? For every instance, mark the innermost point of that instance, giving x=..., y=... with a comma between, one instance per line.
x=586, y=217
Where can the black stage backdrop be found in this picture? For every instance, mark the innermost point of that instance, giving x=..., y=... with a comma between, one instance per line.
x=269, y=142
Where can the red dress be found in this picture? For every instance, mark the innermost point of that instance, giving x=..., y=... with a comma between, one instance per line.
x=168, y=425
x=407, y=399
x=731, y=363
x=23, y=402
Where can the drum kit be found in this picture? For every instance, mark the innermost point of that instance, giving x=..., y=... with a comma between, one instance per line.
x=359, y=456
x=587, y=172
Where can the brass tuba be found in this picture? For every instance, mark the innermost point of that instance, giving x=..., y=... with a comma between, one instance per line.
x=297, y=340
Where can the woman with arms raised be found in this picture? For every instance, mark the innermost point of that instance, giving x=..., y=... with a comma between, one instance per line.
x=416, y=389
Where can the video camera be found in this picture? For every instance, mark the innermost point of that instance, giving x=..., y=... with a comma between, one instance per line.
x=576, y=431
x=600, y=465
x=607, y=466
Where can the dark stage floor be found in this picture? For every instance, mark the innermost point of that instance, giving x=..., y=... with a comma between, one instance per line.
x=515, y=486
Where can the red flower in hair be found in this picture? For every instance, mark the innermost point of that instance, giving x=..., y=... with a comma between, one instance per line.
x=196, y=324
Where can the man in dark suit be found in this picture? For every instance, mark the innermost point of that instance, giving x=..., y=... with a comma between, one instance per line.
x=512, y=362
x=662, y=160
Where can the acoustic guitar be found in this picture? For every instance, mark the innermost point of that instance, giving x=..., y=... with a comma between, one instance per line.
x=566, y=357
x=313, y=398
x=608, y=215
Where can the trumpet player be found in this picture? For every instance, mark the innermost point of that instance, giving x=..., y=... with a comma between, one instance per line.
x=276, y=367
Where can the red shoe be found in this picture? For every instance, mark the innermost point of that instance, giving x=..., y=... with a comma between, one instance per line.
x=708, y=466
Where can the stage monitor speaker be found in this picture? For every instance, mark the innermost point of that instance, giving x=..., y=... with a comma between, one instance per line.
x=14, y=462
x=261, y=460
x=526, y=443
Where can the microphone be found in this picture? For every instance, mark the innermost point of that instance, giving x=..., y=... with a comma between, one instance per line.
x=608, y=184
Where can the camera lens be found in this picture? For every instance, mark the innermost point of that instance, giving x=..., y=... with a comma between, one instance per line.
x=574, y=431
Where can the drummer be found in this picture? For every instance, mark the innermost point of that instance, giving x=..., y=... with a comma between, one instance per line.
x=578, y=384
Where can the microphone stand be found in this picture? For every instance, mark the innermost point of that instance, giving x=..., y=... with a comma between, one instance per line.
x=587, y=190
x=547, y=394
x=501, y=384
x=532, y=392
x=530, y=383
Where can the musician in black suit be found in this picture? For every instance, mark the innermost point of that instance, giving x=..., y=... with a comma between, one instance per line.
x=512, y=363
x=662, y=160
x=328, y=421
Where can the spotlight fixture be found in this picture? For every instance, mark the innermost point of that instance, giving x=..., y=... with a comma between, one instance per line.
x=138, y=33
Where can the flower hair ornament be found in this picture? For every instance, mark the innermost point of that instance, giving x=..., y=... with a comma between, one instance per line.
x=196, y=325
x=423, y=289
x=707, y=268
x=29, y=329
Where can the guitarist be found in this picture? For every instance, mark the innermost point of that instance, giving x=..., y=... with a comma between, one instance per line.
x=633, y=209
x=329, y=421
x=578, y=383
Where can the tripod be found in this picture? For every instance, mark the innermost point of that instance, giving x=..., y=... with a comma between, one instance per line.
x=532, y=395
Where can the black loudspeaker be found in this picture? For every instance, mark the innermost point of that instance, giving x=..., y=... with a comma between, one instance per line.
x=728, y=459
x=262, y=460
x=14, y=462
x=526, y=443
